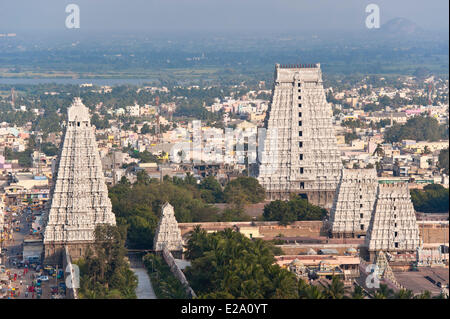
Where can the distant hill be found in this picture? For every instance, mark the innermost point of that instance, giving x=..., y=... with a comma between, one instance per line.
x=401, y=27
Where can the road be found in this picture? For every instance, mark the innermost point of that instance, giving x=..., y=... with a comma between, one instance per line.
x=14, y=256
x=144, y=289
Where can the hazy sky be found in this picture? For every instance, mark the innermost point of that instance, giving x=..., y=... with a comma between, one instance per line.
x=216, y=15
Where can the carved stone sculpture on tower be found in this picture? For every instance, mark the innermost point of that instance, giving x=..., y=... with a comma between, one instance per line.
x=354, y=203
x=79, y=197
x=167, y=233
x=393, y=227
x=300, y=153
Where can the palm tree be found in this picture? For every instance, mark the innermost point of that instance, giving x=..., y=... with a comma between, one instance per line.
x=424, y=295
x=404, y=294
x=384, y=292
x=335, y=289
x=190, y=179
x=358, y=293
x=312, y=292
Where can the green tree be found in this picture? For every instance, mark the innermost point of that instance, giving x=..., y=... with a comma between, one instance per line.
x=444, y=160
x=227, y=263
x=104, y=271
x=335, y=289
x=212, y=190
x=296, y=208
x=244, y=190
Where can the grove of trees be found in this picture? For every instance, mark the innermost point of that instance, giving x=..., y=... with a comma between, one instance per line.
x=138, y=205
x=227, y=264
x=296, y=208
x=104, y=272
x=419, y=128
x=433, y=198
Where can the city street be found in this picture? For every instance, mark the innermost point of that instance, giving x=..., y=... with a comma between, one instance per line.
x=23, y=276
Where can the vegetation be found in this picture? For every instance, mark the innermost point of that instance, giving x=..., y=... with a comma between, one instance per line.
x=24, y=158
x=138, y=205
x=211, y=190
x=165, y=284
x=49, y=149
x=226, y=264
x=350, y=136
x=419, y=128
x=353, y=124
x=244, y=190
x=384, y=292
x=105, y=273
x=443, y=160
x=145, y=156
x=296, y=208
x=432, y=199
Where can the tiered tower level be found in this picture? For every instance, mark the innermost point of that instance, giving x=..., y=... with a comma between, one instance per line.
x=167, y=232
x=393, y=227
x=79, y=199
x=354, y=203
x=300, y=153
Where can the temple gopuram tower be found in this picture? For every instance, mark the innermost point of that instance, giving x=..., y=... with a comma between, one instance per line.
x=393, y=227
x=300, y=153
x=354, y=203
x=79, y=197
x=167, y=232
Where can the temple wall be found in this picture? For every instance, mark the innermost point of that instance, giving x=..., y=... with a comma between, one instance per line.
x=313, y=228
x=434, y=233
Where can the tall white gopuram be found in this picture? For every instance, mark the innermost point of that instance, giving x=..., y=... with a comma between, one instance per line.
x=354, y=203
x=167, y=232
x=300, y=153
x=79, y=199
x=2, y=216
x=393, y=227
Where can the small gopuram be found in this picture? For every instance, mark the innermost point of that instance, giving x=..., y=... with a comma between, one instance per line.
x=79, y=197
x=167, y=233
x=354, y=203
x=393, y=227
x=300, y=154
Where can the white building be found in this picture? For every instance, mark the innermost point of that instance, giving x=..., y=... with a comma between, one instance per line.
x=133, y=110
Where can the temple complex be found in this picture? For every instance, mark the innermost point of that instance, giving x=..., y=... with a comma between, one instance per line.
x=167, y=233
x=300, y=153
x=393, y=227
x=79, y=197
x=354, y=203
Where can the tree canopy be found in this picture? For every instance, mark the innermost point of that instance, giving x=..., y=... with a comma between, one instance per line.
x=296, y=208
x=432, y=199
x=419, y=128
x=244, y=190
x=105, y=274
x=443, y=160
x=226, y=264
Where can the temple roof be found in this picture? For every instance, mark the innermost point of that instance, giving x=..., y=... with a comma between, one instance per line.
x=78, y=112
